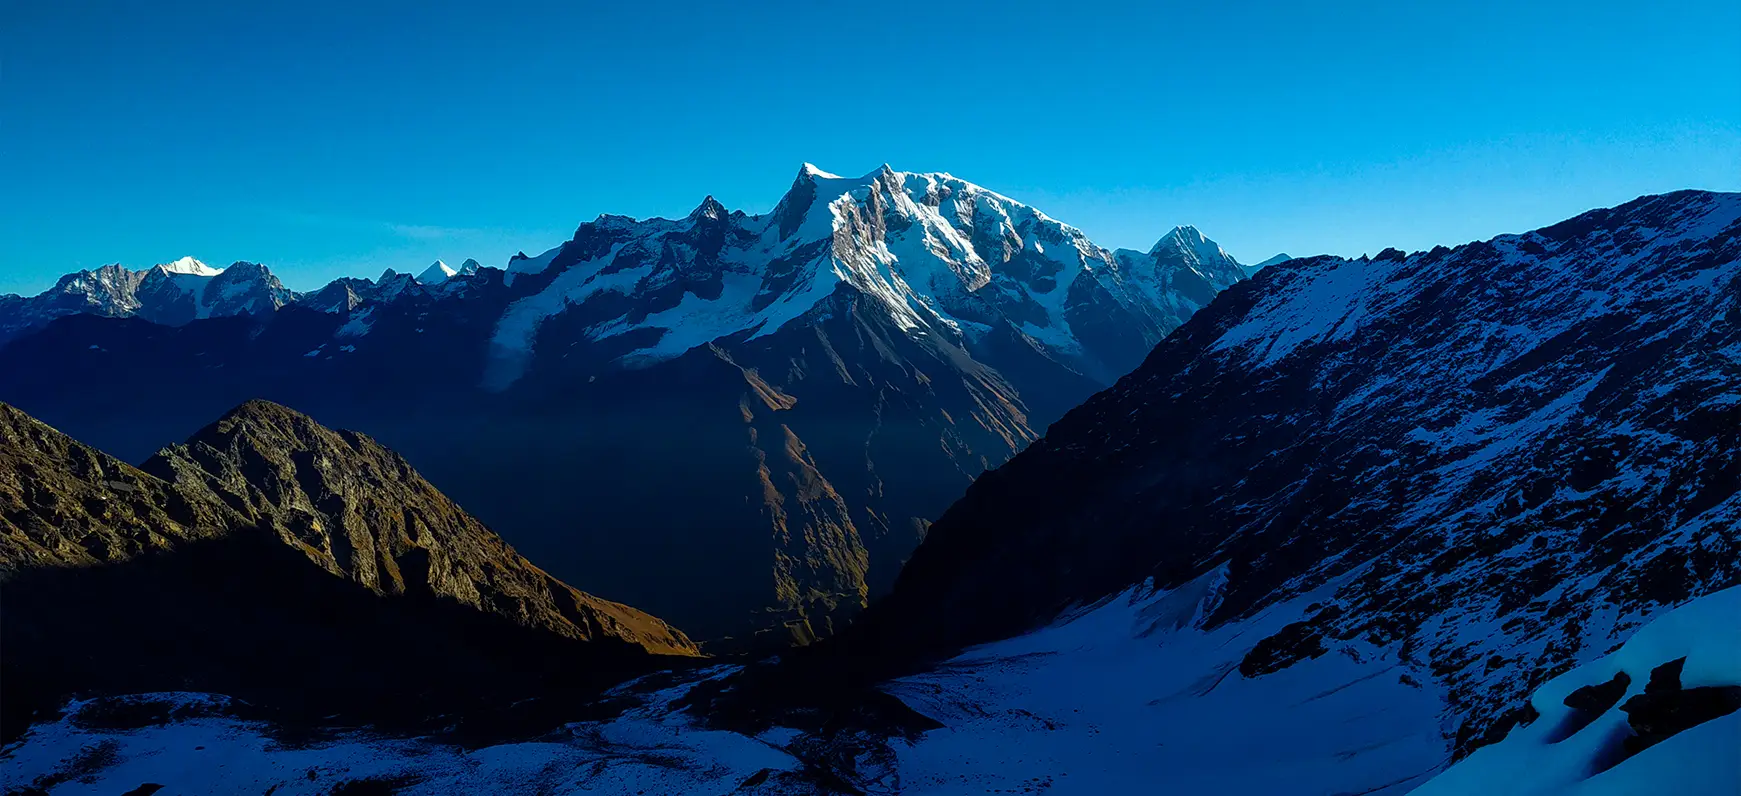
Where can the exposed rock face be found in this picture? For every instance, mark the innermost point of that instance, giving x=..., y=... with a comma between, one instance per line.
x=817, y=383
x=63, y=504
x=220, y=575
x=106, y=291
x=1502, y=458
x=359, y=511
x=1666, y=708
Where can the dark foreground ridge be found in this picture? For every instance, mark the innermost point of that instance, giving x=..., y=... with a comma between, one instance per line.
x=309, y=572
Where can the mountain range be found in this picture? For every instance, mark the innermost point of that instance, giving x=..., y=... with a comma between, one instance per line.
x=818, y=382
x=1460, y=520
x=185, y=290
x=1459, y=472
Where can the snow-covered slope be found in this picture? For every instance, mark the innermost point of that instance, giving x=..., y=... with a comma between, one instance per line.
x=1137, y=690
x=1659, y=715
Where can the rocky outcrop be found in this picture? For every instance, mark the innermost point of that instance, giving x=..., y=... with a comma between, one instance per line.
x=63, y=504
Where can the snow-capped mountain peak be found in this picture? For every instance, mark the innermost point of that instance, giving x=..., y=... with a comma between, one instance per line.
x=1192, y=243
x=810, y=170
x=189, y=266
x=709, y=208
x=436, y=273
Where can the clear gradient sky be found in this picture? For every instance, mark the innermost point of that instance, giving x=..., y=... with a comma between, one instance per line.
x=330, y=138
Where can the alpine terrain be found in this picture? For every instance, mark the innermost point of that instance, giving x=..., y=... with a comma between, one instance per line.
x=743, y=423
x=1460, y=521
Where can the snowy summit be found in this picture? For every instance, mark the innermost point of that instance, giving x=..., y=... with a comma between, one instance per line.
x=190, y=266
x=436, y=273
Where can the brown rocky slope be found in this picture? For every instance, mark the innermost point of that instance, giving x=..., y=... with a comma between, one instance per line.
x=216, y=572
x=360, y=512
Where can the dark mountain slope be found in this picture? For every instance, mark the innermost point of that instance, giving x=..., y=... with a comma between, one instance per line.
x=359, y=511
x=1500, y=457
x=222, y=578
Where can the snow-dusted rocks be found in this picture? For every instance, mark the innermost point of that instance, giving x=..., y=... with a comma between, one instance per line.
x=935, y=254
x=1659, y=715
x=171, y=293
x=173, y=298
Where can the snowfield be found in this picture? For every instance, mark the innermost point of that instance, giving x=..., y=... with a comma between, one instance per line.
x=1130, y=696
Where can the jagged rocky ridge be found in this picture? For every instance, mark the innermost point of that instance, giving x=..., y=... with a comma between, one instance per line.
x=818, y=382
x=171, y=293
x=359, y=511
x=1492, y=462
x=278, y=534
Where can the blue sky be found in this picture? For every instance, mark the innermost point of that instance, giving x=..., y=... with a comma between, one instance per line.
x=330, y=138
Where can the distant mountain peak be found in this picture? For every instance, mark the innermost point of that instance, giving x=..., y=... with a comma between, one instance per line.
x=809, y=170
x=709, y=208
x=1186, y=238
x=436, y=273
x=256, y=410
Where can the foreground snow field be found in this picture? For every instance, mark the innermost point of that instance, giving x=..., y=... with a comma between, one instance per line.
x=1127, y=696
